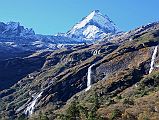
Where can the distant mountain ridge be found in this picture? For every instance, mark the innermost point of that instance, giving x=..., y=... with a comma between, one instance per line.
x=16, y=38
x=14, y=29
x=95, y=27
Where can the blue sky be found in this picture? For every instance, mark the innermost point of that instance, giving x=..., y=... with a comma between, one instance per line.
x=53, y=16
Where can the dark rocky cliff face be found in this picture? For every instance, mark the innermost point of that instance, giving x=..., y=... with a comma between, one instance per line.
x=12, y=70
x=62, y=75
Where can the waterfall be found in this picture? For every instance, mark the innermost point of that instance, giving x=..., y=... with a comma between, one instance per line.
x=31, y=106
x=153, y=60
x=95, y=52
x=89, y=82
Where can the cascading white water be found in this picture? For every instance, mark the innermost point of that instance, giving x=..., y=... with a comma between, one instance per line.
x=96, y=52
x=153, y=60
x=31, y=106
x=89, y=82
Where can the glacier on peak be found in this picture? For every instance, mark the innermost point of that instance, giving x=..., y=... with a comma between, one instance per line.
x=91, y=31
x=94, y=26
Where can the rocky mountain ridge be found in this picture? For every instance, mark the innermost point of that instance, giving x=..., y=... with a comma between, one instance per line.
x=14, y=29
x=15, y=37
x=17, y=41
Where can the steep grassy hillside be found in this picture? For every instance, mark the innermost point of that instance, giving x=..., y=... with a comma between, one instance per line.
x=122, y=87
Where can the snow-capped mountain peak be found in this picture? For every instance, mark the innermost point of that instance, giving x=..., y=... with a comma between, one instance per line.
x=14, y=29
x=94, y=26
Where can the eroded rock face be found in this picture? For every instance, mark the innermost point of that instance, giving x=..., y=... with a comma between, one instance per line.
x=133, y=60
